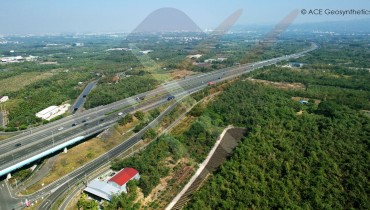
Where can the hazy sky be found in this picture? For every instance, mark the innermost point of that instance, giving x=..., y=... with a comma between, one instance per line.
x=56, y=16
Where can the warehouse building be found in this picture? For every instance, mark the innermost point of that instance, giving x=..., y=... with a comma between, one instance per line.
x=47, y=113
x=106, y=188
x=52, y=111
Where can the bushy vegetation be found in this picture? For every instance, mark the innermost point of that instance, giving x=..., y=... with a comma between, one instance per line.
x=106, y=93
x=126, y=119
x=317, y=160
x=148, y=163
x=123, y=200
x=343, y=85
x=39, y=95
x=85, y=203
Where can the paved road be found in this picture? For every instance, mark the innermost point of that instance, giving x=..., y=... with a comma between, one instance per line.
x=82, y=97
x=79, y=174
x=126, y=145
x=99, y=118
x=7, y=201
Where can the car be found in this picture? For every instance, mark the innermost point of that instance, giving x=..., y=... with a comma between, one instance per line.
x=18, y=145
x=74, y=124
x=61, y=128
x=86, y=124
x=119, y=114
x=169, y=98
x=83, y=121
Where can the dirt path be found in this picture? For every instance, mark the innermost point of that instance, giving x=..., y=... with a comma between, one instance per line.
x=227, y=141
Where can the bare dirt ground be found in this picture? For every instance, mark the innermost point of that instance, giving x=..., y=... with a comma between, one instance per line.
x=280, y=85
x=317, y=101
x=178, y=74
x=228, y=142
x=169, y=185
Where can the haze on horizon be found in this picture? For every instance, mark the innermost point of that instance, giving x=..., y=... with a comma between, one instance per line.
x=98, y=16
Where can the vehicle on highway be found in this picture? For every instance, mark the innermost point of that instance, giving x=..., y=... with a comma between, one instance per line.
x=169, y=98
x=119, y=114
x=18, y=145
x=140, y=98
x=61, y=128
x=74, y=124
x=86, y=124
x=83, y=121
x=211, y=83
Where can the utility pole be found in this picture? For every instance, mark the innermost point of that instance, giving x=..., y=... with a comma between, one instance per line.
x=52, y=136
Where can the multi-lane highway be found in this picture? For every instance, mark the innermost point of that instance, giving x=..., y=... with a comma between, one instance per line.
x=28, y=144
x=23, y=146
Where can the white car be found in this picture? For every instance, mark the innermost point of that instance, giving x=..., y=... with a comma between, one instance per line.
x=119, y=114
x=61, y=128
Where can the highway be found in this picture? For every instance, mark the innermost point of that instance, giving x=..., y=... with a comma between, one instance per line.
x=90, y=122
x=100, y=118
x=57, y=188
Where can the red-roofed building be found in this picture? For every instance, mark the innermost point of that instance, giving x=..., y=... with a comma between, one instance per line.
x=122, y=177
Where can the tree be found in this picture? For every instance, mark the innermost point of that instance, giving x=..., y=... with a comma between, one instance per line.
x=126, y=119
x=150, y=134
x=85, y=204
x=139, y=115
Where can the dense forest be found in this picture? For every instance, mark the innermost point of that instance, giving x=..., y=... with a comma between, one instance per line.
x=106, y=93
x=41, y=94
x=315, y=159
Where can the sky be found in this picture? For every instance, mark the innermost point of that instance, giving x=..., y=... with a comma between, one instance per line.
x=103, y=16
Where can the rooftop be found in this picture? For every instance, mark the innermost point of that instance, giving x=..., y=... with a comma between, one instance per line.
x=124, y=176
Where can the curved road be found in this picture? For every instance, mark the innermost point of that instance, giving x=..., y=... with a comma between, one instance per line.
x=102, y=117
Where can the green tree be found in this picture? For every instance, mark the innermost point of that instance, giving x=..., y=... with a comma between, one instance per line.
x=139, y=115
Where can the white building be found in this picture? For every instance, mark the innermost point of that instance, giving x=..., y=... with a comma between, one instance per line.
x=48, y=112
x=52, y=111
x=144, y=52
x=3, y=98
x=196, y=56
x=115, y=185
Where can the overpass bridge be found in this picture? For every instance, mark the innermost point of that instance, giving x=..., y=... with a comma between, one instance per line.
x=26, y=148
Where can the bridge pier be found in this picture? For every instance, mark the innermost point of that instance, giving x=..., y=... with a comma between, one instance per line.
x=8, y=176
x=65, y=150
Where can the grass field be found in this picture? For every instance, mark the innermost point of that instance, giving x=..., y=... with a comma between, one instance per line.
x=18, y=82
x=82, y=154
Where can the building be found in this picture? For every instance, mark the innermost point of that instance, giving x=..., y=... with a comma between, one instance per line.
x=102, y=189
x=209, y=60
x=47, y=113
x=52, y=111
x=144, y=52
x=121, y=179
x=196, y=56
x=3, y=98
